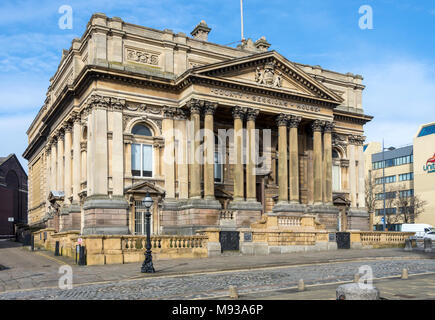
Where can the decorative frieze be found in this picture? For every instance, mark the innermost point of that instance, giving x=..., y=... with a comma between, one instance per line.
x=142, y=56
x=339, y=140
x=356, y=140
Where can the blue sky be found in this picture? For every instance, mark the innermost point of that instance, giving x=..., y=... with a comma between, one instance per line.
x=396, y=57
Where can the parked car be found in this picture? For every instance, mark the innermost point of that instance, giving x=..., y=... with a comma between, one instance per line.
x=430, y=235
x=420, y=229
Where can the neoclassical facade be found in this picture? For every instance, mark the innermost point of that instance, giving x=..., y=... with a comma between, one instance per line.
x=219, y=136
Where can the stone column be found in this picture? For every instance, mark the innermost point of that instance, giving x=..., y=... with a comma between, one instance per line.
x=282, y=120
x=117, y=148
x=251, y=177
x=77, y=158
x=182, y=166
x=169, y=152
x=317, y=161
x=352, y=171
x=67, y=155
x=361, y=178
x=53, y=178
x=83, y=164
x=60, y=161
x=209, y=150
x=194, y=173
x=238, y=114
x=99, y=147
x=327, y=157
x=48, y=166
x=294, y=160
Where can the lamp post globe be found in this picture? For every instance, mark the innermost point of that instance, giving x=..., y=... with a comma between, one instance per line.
x=147, y=266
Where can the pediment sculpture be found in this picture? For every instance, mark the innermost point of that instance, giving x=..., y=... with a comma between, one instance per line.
x=268, y=76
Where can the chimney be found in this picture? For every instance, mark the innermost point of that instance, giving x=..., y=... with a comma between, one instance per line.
x=261, y=44
x=201, y=31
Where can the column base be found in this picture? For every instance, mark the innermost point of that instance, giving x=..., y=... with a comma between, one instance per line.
x=104, y=215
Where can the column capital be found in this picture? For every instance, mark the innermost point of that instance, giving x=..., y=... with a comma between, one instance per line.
x=328, y=126
x=195, y=106
x=75, y=117
x=60, y=134
x=117, y=104
x=98, y=102
x=317, y=125
x=210, y=107
x=238, y=112
x=294, y=121
x=169, y=112
x=251, y=114
x=282, y=120
x=67, y=127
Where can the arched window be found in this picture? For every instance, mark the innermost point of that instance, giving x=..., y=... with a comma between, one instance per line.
x=141, y=130
x=336, y=171
x=142, y=152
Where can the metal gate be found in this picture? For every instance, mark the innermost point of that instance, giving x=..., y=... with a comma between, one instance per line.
x=229, y=240
x=343, y=240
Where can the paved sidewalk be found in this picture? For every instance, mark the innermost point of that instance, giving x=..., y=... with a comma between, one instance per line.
x=26, y=269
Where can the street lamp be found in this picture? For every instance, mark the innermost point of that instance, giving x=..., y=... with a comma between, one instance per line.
x=383, y=180
x=147, y=266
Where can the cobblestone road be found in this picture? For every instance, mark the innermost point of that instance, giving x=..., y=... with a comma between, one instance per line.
x=209, y=285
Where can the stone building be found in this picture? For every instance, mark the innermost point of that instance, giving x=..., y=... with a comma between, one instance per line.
x=124, y=114
x=13, y=196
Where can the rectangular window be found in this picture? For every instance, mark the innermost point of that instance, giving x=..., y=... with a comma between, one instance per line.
x=389, y=179
x=380, y=212
x=141, y=160
x=218, y=166
x=135, y=159
x=336, y=179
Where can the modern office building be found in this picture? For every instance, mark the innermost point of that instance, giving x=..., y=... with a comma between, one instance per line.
x=132, y=110
x=407, y=173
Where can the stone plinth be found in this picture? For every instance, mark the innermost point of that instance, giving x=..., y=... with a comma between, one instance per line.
x=105, y=215
x=357, y=291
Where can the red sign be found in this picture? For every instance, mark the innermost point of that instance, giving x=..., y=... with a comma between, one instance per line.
x=431, y=160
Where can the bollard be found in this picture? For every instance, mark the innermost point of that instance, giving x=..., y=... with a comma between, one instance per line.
x=404, y=274
x=301, y=285
x=356, y=278
x=56, y=250
x=353, y=291
x=427, y=245
x=408, y=245
x=233, y=292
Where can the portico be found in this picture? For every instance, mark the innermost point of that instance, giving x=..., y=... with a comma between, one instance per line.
x=221, y=137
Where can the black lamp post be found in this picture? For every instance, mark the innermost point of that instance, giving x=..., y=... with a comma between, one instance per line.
x=147, y=266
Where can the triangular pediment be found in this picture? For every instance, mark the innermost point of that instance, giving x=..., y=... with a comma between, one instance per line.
x=270, y=71
x=146, y=187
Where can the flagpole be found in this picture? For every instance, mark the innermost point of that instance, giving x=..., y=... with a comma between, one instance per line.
x=241, y=18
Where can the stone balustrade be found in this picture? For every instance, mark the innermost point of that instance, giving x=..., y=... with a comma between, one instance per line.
x=227, y=215
x=288, y=221
x=378, y=239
